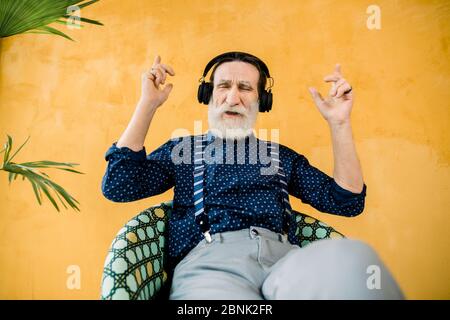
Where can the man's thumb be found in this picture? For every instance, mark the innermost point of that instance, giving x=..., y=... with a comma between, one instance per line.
x=315, y=95
x=167, y=88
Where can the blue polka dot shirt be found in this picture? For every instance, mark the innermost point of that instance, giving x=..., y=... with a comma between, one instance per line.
x=236, y=194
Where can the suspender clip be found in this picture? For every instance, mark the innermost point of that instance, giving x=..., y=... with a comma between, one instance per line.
x=207, y=236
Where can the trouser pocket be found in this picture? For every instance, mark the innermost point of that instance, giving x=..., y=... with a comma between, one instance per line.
x=270, y=251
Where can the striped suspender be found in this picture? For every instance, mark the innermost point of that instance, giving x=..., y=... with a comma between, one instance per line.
x=201, y=217
x=282, y=176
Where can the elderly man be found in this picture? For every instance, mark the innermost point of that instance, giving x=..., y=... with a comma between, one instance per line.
x=229, y=232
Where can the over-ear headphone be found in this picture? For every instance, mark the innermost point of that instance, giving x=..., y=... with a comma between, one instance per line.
x=205, y=89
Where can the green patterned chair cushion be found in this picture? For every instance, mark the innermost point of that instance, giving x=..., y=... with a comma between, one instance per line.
x=134, y=266
x=309, y=229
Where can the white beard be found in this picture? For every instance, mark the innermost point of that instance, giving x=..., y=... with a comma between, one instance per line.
x=236, y=128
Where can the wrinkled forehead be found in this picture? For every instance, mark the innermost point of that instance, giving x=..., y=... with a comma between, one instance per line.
x=237, y=71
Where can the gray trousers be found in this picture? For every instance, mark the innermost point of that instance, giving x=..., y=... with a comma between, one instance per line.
x=258, y=264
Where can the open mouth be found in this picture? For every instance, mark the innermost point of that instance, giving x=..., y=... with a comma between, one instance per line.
x=232, y=113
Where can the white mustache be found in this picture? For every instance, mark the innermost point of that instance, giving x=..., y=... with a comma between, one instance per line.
x=235, y=127
x=226, y=108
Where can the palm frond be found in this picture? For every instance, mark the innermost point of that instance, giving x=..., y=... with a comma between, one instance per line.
x=50, y=164
x=10, y=139
x=34, y=16
x=8, y=146
x=84, y=20
x=66, y=23
x=50, y=30
x=40, y=181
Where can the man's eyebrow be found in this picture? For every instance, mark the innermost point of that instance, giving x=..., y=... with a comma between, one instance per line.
x=240, y=82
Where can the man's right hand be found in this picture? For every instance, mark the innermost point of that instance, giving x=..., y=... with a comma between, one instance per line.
x=151, y=93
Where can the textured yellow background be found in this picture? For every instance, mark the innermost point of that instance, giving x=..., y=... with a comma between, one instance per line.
x=76, y=98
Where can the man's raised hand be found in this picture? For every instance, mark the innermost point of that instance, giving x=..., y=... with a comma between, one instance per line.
x=335, y=108
x=151, y=93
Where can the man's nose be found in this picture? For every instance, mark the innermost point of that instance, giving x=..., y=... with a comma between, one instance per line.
x=233, y=97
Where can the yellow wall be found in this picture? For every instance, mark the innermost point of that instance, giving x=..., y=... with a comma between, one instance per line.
x=76, y=98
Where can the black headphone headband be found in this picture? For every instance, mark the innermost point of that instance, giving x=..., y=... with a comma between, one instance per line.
x=205, y=89
x=238, y=56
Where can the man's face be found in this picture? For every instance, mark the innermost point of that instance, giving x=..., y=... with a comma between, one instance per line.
x=234, y=104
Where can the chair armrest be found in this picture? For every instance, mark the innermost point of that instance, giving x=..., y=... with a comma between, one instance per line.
x=305, y=229
x=134, y=266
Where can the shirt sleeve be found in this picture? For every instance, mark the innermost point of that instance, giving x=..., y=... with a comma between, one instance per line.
x=132, y=175
x=321, y=191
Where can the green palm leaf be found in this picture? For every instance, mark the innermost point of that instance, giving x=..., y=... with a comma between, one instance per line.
x=34, y=16
x=40, y=181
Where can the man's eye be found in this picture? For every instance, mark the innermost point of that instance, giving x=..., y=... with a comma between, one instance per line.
x=227, y=86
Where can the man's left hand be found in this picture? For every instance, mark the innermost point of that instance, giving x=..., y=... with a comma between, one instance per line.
x=335, y=108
